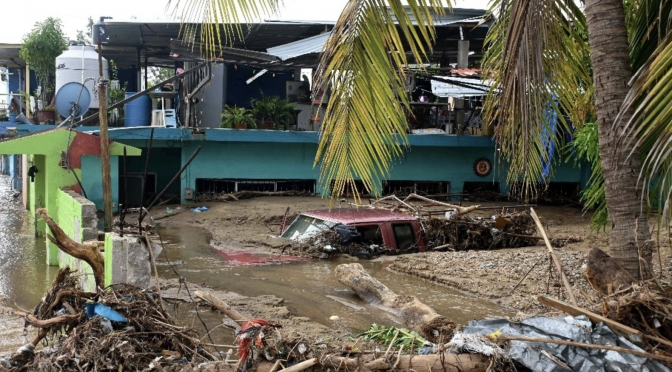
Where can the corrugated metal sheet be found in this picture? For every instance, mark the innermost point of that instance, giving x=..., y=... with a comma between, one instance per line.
x=311, y=45
x=314, y=44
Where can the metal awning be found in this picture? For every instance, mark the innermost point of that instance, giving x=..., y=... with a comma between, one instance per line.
x=292, y=43
x=311, y=45
x=9, y=56
x=446, y=86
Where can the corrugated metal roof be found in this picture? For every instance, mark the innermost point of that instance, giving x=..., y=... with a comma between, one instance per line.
x=314, y=44
x=303, y=47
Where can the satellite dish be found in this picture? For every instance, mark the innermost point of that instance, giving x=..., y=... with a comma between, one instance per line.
x=73, y=100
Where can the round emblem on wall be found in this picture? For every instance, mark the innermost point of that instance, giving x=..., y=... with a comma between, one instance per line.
x=482, y=167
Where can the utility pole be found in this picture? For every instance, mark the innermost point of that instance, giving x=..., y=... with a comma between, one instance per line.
x=104, y=142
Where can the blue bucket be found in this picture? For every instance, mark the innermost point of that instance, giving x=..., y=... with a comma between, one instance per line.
x=138, y=112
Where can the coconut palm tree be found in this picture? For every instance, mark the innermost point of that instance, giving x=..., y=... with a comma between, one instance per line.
x=546, y=56
x=551, y=54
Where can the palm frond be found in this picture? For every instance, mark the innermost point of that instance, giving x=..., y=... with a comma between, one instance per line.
x=364, y=64
x=649, y=22
x=538, y=57
x=650, y=97
x=585, y=147
x=215, y=23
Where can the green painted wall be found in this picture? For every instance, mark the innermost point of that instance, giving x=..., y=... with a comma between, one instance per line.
x=37, y=193
x=72, y=220
x=46, y=149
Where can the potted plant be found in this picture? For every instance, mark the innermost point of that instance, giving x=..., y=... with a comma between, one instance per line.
x=262, y=110
x=283, y=111
x=238, y=118
x=272, y=112
x=47, y=115
x=39, y=49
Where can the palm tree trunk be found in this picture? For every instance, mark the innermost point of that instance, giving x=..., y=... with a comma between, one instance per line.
x=609, y=53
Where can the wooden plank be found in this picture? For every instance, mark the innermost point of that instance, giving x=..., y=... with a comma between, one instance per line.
x=556, y=261
x=615, y=326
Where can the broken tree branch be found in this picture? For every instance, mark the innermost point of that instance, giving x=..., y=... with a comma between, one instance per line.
x=37, y=323
x=222, y=306
x=554, y=257
x=459, y=209
x=88, y=252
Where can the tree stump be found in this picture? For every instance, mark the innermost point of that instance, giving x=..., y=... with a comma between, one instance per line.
x=605, y=274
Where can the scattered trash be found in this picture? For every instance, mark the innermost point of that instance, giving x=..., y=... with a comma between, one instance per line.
x=199, y=209
x=334, y=317
x=170, y=210
x=535, y=355
x=104, y=311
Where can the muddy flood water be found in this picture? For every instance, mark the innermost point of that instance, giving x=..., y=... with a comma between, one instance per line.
x=309, y=287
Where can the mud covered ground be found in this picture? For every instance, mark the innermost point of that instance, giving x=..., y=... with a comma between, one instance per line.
x=492, y=275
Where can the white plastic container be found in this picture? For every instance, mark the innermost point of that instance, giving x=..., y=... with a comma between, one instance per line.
x=77, y=64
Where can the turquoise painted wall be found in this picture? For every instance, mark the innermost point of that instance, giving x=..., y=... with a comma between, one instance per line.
x=249, y=161
x=245, y=160
x=453, y=164
x=92, y=180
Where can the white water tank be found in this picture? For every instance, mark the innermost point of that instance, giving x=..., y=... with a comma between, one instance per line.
x=77, y=64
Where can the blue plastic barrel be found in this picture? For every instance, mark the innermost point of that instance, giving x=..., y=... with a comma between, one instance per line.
x=138, y=112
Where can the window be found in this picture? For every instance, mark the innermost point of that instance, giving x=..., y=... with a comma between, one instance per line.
x=404, y=236
x=371, y=234
x=304, y=227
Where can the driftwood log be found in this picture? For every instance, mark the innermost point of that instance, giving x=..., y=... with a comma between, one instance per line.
x=606, y=275
x=87, y=252
x=415, y=314
x=222, y=306
x=417, y=363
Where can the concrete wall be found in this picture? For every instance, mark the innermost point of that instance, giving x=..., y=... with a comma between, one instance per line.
x=127, y=260
x=164, y=163
x=77, y=217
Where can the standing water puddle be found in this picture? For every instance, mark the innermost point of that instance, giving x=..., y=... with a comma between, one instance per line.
x=24, y=274
x=309, y=287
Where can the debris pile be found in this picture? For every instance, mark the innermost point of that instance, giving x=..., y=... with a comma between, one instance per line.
x=645, y=307
x=122, y=326
x=461, y=233
x=236, y=196
x=329, y=243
